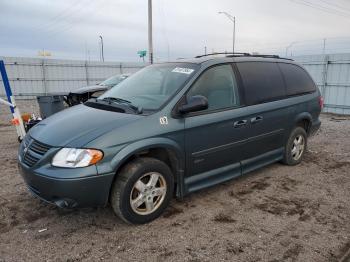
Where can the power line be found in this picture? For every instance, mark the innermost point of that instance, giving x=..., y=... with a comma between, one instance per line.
x=322, y=8
x=327, y=9
x=335, y=5
x=75, y=21
x=66, y=13
x=71, y=19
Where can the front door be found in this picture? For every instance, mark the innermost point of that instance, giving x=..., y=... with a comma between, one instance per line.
x=214, y=138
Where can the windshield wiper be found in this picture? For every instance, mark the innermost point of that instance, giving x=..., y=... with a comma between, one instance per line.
x=111, y=99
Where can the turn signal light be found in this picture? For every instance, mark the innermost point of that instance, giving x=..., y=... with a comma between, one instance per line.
x=96, y=156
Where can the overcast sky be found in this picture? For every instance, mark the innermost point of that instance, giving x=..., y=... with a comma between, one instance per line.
x=70, y=28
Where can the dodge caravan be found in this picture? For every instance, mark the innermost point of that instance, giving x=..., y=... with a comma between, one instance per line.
x=172, y=129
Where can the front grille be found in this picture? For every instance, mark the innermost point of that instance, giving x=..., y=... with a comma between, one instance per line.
x=30, y=160
x=38, y=147
x=33, y=151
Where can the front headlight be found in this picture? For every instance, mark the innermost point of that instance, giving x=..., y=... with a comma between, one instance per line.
x=75, y=157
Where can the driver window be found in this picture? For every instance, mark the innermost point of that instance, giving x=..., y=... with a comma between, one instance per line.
x=218, y=84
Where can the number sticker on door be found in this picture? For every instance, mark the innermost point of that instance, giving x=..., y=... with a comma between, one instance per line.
x=163, y=120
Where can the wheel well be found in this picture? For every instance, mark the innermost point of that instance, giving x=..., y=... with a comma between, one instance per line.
x=165, y=155
x=304, y=123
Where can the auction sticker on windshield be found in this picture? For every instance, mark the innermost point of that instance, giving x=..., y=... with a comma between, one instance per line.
x=182, y=70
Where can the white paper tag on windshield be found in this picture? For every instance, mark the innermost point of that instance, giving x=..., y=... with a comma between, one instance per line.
x=182, y=70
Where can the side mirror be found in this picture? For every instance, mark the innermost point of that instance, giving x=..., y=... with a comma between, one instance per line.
x=194, y=104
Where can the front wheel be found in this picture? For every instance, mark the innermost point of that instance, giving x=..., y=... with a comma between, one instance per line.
x=295, y=147
x=142, y=190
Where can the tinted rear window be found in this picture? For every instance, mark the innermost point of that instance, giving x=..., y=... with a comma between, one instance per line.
x=297, y=80
x=263, y=82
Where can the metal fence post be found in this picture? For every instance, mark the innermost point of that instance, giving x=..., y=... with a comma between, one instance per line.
x=44, y=76
x=86, y=73
x=324, y=77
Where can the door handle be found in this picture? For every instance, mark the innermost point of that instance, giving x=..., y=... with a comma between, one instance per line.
x=239, y=123
x=256, y=119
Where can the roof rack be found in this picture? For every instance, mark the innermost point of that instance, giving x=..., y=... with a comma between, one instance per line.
x=224, y=53
x=244, y=54
x=263, y=56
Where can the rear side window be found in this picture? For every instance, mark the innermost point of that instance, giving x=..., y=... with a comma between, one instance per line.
x=263, y=82
x=297, y=80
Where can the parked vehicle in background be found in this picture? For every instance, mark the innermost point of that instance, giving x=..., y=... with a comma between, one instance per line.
x=83, y=94
x=172, y=128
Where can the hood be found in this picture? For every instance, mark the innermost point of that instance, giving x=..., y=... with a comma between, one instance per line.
x=78, y=125
x=89, y=89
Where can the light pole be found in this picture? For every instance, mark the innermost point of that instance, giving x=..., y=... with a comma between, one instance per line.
x=102, y=54
x=287, y=48
x=233, y=19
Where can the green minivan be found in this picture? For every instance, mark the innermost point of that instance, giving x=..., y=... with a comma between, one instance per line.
x=172, y=129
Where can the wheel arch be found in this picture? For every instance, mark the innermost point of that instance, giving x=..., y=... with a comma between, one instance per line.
x=166, y=150
x=304, y=120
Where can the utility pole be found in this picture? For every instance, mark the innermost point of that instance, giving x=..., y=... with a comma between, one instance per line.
x=233, y=19
x=102, y=54
x=150, y=40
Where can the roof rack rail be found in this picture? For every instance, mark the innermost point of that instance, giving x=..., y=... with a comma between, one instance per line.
x=263, y=56
x=224, y=53
x=228, y=54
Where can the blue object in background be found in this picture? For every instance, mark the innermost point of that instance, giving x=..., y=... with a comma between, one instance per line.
x=6, y=82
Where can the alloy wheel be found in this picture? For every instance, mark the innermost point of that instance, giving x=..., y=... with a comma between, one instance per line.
x=148, y=193
x=298, y=147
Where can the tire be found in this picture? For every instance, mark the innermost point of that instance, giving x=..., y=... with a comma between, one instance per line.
x=135, y=183
x=294, y=154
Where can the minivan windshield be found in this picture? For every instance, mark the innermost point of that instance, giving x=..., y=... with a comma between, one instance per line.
x=153, y=85
x=114, y=80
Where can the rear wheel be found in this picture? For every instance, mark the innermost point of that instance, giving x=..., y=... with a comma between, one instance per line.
x=295, y=147
x=142, y=190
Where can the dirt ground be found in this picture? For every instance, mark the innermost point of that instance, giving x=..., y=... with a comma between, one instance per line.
x=278, y=213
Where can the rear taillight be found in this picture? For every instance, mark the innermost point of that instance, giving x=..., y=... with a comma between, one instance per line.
x=321, y=102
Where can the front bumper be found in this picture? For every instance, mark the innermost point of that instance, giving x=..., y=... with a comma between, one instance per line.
x=80, y=191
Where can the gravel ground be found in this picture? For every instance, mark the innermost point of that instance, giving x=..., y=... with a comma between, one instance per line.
x=278, y=213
